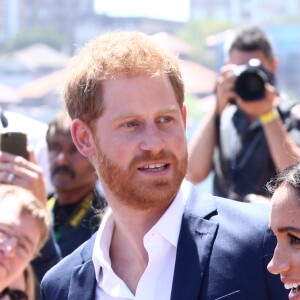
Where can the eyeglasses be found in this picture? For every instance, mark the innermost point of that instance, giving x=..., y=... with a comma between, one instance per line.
x=14, y=294
x=11, y=241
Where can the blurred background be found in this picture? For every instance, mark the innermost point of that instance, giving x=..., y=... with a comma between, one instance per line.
x=37, y=37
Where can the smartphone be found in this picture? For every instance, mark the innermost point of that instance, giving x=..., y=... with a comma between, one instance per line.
x=14, y=143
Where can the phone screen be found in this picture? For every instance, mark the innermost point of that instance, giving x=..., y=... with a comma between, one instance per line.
x=14, y=143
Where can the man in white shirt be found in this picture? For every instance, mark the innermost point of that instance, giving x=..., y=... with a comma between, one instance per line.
x=160, y=239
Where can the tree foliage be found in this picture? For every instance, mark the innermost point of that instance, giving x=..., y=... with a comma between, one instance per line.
x=28, y=37
x=195, y=33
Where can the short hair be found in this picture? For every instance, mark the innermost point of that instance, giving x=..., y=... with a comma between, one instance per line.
x=29, y=204
x=129, y=53
x=289, y=176
x=252, y=38
x=60, y=124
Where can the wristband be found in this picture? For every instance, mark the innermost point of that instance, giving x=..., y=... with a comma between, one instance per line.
x=268, y=117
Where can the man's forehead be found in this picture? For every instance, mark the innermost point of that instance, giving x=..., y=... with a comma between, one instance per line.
x=240, y=57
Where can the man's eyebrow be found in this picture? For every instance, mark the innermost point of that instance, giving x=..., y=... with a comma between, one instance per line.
x=288, y=228
x=126, y=115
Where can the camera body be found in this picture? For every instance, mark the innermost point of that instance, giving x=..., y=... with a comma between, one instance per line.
x=251, y=79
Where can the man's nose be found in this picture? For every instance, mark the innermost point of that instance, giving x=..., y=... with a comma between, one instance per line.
x=152, y=139
x=62, y=156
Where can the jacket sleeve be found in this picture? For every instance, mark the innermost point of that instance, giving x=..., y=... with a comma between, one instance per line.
x=50, y=255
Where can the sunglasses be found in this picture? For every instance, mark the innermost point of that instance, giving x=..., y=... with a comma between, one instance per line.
x=14, y=294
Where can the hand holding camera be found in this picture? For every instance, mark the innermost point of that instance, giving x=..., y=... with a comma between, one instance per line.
x=250, y=86
x=251, y=80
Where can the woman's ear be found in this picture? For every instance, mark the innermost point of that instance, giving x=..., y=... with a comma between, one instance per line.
x=82, y=137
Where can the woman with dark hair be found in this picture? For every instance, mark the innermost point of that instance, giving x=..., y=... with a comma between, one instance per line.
x=285, y=223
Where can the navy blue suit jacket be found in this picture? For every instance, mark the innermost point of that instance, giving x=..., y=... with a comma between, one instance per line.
x=223, y=250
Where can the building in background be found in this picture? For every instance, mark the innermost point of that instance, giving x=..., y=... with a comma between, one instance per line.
x=242, y=12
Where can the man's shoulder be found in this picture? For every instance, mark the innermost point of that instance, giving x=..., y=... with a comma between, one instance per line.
x=60, y=275
x=226, y=210
x=246, y=223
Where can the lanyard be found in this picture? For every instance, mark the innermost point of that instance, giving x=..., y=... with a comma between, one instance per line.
x=80, y=211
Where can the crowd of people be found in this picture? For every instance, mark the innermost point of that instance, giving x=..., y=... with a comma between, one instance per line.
x=125, y=220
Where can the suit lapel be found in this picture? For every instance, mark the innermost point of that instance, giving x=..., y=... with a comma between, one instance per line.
x=194, y=246
x=83, y=281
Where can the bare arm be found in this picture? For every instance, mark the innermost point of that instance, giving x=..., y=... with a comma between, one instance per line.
x=283, y=149
x=201, y=146
x=201, y=149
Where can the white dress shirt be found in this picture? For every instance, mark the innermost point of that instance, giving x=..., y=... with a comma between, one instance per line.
x=160, y=243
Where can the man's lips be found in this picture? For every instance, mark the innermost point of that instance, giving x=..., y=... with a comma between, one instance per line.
x=154, y=167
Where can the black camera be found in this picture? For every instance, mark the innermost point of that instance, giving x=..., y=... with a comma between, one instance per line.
x=251, y=79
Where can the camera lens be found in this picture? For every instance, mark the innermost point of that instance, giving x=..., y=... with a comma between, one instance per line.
x=251, y=79
x=250, y=85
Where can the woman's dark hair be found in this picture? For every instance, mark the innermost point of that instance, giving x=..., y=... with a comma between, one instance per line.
x=289, y=176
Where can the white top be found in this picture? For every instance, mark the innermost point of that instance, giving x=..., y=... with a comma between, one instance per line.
x=160, y=243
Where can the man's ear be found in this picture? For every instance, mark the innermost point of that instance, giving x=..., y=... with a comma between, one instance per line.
x=82, y=137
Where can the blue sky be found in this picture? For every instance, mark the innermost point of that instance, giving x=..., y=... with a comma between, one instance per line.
x=174, y=10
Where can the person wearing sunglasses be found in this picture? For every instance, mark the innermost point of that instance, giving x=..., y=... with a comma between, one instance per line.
x=24, y=228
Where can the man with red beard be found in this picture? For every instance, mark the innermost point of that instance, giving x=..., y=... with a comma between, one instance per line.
x=160, y=238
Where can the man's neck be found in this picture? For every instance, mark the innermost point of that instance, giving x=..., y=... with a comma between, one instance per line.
x=65, y=197
x=130, y=228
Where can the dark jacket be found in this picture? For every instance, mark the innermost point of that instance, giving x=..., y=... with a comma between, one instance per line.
x=223, y=250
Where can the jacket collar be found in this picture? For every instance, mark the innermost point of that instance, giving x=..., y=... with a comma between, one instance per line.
x=195, y=244
x=83, y=281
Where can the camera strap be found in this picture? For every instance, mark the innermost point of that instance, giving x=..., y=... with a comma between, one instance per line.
x=238, y=164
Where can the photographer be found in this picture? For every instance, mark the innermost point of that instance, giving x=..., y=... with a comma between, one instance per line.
x=244, y=140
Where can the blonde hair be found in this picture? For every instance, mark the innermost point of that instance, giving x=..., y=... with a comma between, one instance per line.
x=106, y=57
x=30, y=282
x=28, y=203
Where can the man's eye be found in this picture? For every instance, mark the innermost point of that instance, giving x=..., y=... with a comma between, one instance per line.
x=165, y=119
x=130, y=124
